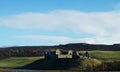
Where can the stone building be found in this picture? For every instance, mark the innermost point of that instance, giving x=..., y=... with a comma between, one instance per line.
x=51, y=55
x=70, y=52
x=75, y=55
x=58, y=52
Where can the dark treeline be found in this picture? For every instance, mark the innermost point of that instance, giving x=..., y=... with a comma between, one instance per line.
x=23, y=51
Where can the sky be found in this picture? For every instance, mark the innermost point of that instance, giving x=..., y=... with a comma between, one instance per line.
x=53, y=22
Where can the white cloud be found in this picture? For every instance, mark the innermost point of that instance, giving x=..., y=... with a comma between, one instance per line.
x=105, y=26
x=57, y=39
x=65, y=40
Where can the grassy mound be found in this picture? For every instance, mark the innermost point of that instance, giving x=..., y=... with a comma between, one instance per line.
x=58, y=64
x=64, y=64
x=88, y=64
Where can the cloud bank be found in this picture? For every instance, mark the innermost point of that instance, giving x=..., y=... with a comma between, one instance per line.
x=105, y=26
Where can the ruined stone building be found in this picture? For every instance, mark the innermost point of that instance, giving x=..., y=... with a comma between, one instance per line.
x=58, y=52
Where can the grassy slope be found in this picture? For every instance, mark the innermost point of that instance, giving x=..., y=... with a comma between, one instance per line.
x=17, y=61
x=105, y=55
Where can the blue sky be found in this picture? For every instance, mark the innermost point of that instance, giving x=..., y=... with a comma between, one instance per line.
x=17, y=6
x=50, y=22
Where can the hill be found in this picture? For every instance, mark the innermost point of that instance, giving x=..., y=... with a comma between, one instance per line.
x=29, y=51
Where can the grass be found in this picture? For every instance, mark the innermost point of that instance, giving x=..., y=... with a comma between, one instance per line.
x=105, y=55
x=17, y=61
x=21, y=61
x=6, y=71
x=87, y=64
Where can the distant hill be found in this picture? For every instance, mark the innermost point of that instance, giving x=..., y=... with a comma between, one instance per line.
x=85, y=46
x=23, y=51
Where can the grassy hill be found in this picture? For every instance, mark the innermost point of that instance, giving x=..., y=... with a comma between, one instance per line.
x=34, y=62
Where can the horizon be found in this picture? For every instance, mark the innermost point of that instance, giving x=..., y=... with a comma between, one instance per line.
x=52, y=45
x=54, y=22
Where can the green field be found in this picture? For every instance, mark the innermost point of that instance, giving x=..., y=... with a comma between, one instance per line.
x=104, y=55
x=17, y=61
x=21, y=61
